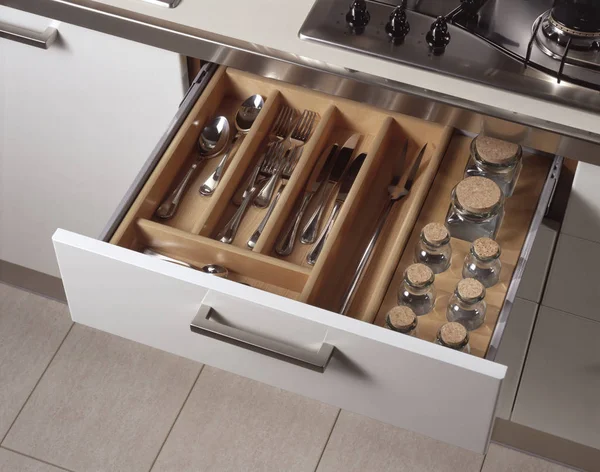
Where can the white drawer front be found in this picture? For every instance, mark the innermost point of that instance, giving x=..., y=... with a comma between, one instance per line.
x=397, y=379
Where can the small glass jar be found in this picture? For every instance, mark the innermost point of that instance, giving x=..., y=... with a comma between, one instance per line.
x=466, y=305
x=483, y=262
x=402, y=319
x=454, y=336
x=476, y=210
x=433, y=248
x=500, y=161
x=417, y=291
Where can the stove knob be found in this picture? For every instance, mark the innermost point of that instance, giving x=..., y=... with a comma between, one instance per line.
x=398, y=27
x=438, y=36
x=358, y=16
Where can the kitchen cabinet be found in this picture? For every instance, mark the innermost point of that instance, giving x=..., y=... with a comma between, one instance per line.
x=77, y=122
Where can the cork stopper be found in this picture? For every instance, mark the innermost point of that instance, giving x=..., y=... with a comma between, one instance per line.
x=453, y=334
x=495, y=151
x=478, y=194
x=470, y=289
x=401, y=318
x=435, y=233
x=419, y=275
x=486, y=248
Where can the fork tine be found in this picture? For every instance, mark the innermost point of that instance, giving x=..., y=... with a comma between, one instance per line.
x=281, y=120
x=278, y=119
x=310, y=126
x=297, y=134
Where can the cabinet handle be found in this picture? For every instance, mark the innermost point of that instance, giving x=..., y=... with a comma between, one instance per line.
x=314, y=360
x=41, y=40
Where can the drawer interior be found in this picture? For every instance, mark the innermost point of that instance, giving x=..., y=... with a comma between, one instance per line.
x=190, y=235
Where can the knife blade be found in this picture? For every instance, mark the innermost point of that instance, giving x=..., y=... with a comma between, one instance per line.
x=309, y=234
x=319, y=175
x=347, y=180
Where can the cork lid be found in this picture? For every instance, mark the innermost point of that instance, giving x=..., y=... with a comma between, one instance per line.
x=419, y=275
x=470, y=289
x=401, y=318
x=453, y=334
x=486, y=248
x=495, y=151
x=478, y=194
x=435, y=233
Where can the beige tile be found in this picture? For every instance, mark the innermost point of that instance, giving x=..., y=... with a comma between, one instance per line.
x=31, y=329
x=361, y=444
x=231, y=423
x=503, y=459
x=13, y=462
x=104, y=404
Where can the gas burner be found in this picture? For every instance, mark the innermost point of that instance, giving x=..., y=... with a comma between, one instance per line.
x=568, y=44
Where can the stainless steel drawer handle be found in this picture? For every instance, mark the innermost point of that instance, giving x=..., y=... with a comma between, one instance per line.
x=41, y=40
x=315, y=360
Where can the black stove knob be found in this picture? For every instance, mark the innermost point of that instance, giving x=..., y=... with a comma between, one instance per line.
x=438, y=36
x=398, y=27
x=358, y=16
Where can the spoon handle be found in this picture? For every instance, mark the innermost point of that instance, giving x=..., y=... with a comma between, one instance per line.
x=168, y=208
x=316, y=251
x=210, y=185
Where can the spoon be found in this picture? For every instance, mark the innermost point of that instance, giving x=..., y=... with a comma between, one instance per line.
x=212, y=141
x=244, y=118
x=216, y=270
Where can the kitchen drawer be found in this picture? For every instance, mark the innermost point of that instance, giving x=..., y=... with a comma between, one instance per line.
x=283, y=329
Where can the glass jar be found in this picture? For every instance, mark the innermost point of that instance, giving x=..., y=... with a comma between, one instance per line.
x=466, y=305
x=454, y=336
x=417, y=291
x=483, y=262
x=402, y=319
x=433, y=248
x=476, y=210
x=500, y=161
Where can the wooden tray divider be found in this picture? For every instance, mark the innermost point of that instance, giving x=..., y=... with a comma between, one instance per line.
x=332, y=254
x=259, y=270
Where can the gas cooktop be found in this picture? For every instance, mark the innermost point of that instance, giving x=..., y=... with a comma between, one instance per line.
x=543, y=48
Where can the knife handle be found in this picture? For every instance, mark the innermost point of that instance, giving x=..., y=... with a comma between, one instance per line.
x=316, y=251
x=310, y=231
x=285, y=246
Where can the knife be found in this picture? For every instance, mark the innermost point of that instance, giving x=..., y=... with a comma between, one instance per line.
x=319, y=174
x=347, y=180
x=309, y=234
x=396, y=192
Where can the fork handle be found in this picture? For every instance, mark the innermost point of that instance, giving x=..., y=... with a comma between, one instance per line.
x=310, y=231
x=261, y=227
x=316, y=251
x=227, y=234
x=264, y=196
x=285, y=246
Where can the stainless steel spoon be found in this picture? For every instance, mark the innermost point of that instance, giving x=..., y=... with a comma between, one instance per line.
x=212, y=141
x=244, y=118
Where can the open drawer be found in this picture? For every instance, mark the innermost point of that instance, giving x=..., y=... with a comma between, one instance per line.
x=274, y=320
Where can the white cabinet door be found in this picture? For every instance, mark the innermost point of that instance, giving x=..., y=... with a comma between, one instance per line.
x=77, y=122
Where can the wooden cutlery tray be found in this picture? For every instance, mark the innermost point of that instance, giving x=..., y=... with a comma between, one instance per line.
x=189, y=235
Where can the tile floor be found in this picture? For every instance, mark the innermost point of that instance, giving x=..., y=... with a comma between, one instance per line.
x=76, y=399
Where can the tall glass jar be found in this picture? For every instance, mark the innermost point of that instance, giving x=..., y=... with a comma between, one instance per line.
x=417, y=291
x=497, y=160
x=466, y=305
x=483, y=262
x=433, y=248
x=476, y=210
x=402, y=319
x=454, y=336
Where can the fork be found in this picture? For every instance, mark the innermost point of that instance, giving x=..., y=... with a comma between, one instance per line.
x=285, y=159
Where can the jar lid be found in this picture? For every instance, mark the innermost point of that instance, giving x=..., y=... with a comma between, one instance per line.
x=470, y=289
x=486, y=249
x=478, y=194
x=453, y=334
x=401, y=318
x=419, y=275
x=496, y=151
x=435, y=233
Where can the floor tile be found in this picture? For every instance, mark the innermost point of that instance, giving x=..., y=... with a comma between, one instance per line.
x=231, y=423
x=31, y=330
x=559, y=388
x=360, y=444
x=105, y=403
x=13, y=462
x=582, y=218
x=503, y=459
